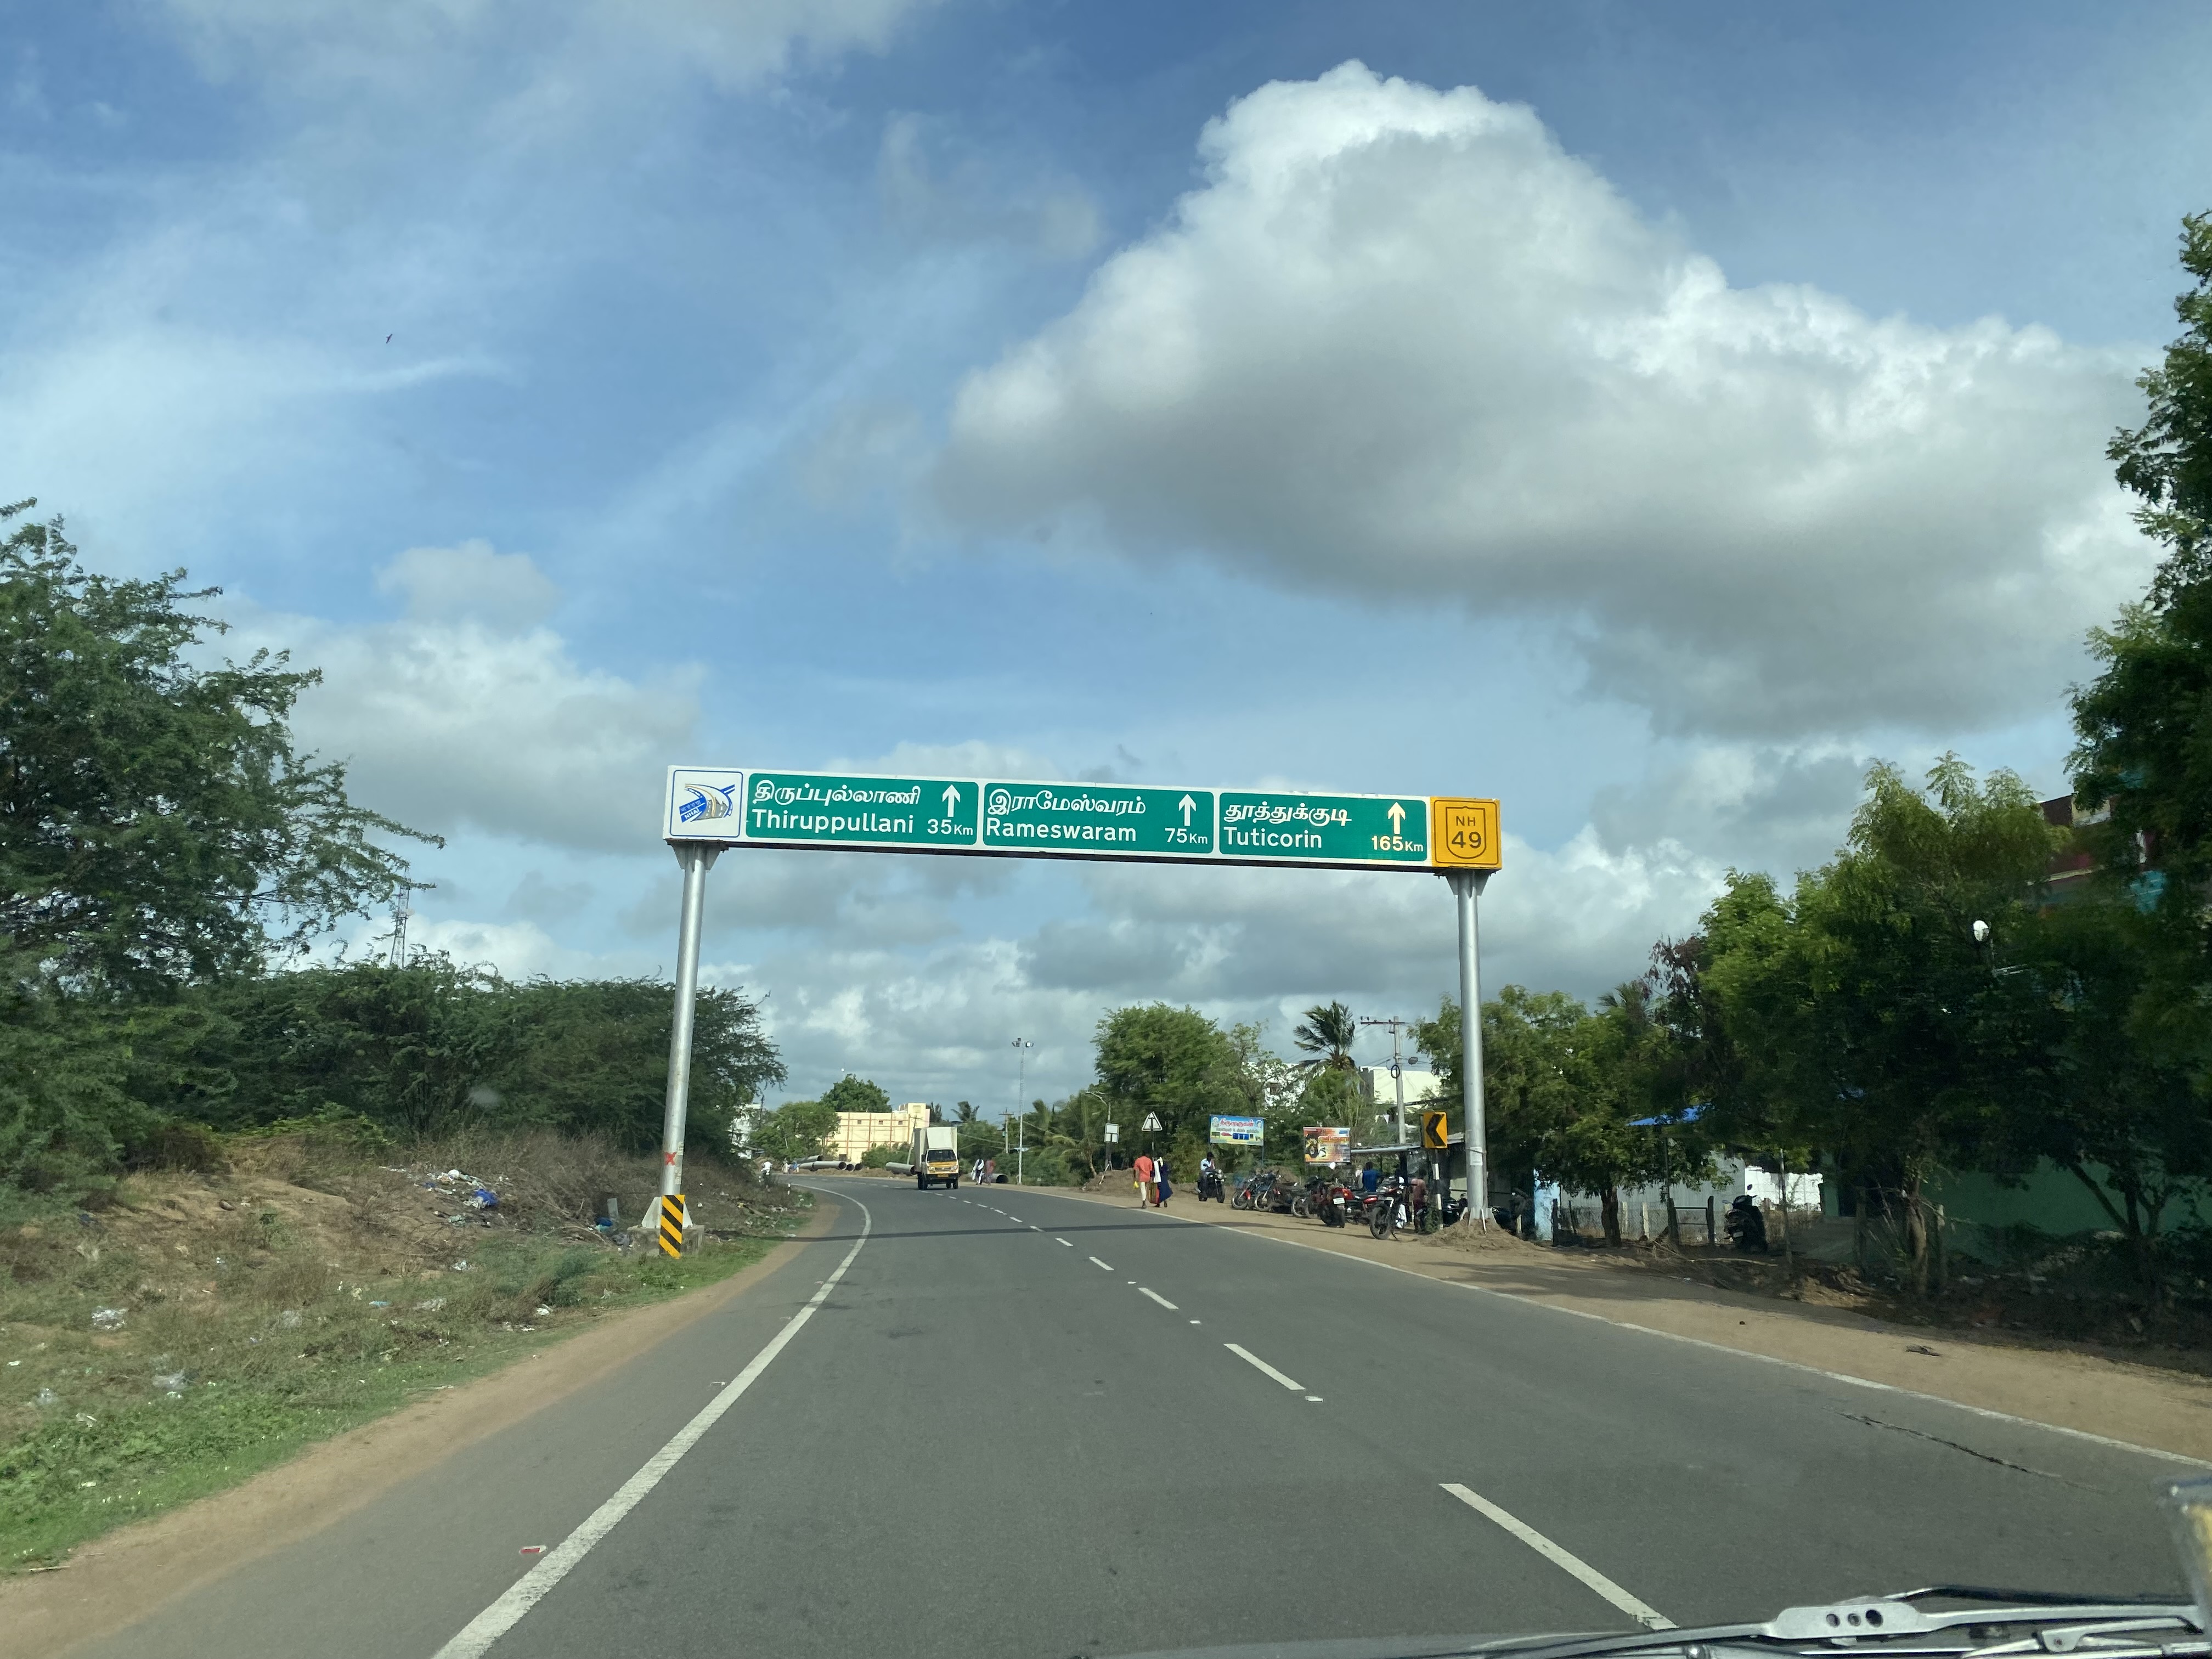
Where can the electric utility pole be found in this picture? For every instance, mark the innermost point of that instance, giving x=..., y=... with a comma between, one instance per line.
x=1397, y=1070
x=1021, y=1047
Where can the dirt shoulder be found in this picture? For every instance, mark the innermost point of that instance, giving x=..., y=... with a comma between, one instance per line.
x=2089, y=1392
x=117, y=1579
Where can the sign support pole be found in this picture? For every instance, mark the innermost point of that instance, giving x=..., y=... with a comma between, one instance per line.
x=697, y=860
x=1466, y=887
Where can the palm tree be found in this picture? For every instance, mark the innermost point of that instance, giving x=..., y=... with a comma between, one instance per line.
x=1326, y=1035
x=963, y=1113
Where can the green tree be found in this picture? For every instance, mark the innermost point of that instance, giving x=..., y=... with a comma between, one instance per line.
x=157, y=826
x=855, y=1094
x=1552, y=1096
x=1077, y=1131
x=2142, y=760
x=2113, y=1102
x=796, y=1131
x=1680, y=1065
x=1326, y=1035
x=1172, y=1061
x=592, y=1055
x=66, y=1114
x=1866, y=1015
x=426, y=1047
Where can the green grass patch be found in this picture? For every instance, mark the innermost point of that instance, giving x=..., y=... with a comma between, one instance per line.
x=198, y=1386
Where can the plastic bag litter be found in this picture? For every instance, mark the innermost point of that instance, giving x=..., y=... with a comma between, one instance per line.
x=45, y=1397
x=107, y=1319
x=430, y=1306
x=172, y=1381
x=290, y=1319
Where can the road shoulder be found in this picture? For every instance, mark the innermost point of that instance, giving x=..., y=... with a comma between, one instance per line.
x=2138, y=1406
x=115, y=1580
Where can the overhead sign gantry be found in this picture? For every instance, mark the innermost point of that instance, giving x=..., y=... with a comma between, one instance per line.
x=708, y=810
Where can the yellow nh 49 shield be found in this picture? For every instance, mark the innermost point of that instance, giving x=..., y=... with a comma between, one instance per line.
x=1463, y=834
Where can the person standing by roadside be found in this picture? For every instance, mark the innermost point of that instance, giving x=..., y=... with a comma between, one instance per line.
x=1144, y=1179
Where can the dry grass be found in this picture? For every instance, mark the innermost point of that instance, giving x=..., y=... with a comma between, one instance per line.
x=206, y=1324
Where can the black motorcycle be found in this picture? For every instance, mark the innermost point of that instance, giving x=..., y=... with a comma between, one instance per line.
x=1209, y=1186
x=1745, y=1223
x=1257, y=1191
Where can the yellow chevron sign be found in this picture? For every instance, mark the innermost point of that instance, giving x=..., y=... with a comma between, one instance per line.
x=672, y=1225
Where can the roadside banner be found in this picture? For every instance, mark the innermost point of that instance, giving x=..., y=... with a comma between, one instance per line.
x=1238, y=1131
x=1328, y=1143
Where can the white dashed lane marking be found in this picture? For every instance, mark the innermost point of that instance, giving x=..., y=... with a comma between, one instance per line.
x=1263, y=1366
x=1648, y=1617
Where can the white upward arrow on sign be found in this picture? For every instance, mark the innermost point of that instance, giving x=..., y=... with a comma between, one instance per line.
x=1188, y=806
x=1397, y=819
x=951, y=798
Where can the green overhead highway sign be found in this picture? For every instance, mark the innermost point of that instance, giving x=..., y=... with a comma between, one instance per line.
x=1280, y=827
x=1107, y=820
x=1005, y=818
x=812, y=808
x=709, y=810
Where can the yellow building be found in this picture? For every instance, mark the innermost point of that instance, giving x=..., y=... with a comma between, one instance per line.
x=858, y=1130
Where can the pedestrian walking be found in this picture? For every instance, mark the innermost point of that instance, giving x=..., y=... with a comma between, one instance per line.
x=1144, y=1179
x=1160, y=1187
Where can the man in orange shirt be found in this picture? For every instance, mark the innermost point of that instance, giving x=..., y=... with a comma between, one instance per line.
x=1144, y=1179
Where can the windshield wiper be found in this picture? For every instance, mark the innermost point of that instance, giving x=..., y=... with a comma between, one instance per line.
x=2025, y=1598
x=1895, y=1626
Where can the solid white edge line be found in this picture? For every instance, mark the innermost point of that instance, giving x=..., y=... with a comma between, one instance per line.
x=1649, y=1618
x=1253, y=1359
x=478, y=1636
x=1158, y=1298
x=1232, y=1230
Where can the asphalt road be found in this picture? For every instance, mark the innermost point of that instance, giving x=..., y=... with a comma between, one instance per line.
x=1020, y=1425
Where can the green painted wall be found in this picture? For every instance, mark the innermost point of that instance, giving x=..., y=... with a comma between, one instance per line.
x=2049, y=1199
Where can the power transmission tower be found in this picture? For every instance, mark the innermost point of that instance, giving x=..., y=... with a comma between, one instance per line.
x=400, y=912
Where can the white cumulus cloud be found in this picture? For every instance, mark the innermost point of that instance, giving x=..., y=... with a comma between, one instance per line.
x=469, y=714
x=1399, y=341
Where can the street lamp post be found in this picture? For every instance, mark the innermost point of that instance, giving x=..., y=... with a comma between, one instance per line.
x=1021, y=1047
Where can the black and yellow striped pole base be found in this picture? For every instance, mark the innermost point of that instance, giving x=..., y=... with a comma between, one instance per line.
x=672, y=1224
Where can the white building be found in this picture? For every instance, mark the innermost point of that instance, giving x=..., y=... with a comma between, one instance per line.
x=1644, y=1209
x=1379, y=1088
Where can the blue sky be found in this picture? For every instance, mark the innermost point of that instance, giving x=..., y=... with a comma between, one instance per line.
x=1647, y=414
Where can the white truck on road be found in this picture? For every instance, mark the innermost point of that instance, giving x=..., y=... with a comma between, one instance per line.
x=935, y=1157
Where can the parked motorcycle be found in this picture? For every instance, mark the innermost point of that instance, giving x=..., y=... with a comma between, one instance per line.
x=1259, y=1190
x=1401, y=1205
x=1745, y=1223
